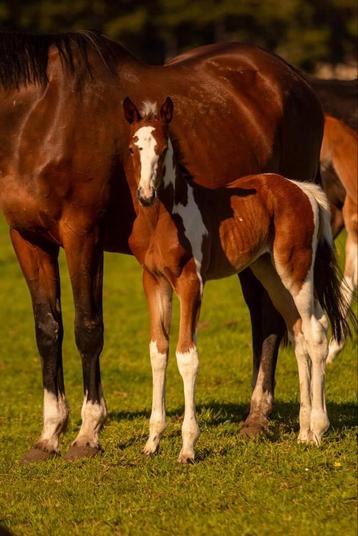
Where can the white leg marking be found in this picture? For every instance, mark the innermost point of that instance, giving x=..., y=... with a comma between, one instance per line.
x=55, y=414
x=93, y=416
x=261, y=398
x=188, y=365
x=315, y=335
x=304, y=373
x=157, y=419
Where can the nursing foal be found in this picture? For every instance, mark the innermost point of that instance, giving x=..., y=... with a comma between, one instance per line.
x=185, y=234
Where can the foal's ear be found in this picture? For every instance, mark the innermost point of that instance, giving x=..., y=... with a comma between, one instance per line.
x=166, y=110
x=130, y=111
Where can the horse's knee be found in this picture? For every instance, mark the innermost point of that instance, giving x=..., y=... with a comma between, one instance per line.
x=89, y=336
x=49, y=330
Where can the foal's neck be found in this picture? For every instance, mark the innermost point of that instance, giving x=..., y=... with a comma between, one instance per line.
x=175, y=180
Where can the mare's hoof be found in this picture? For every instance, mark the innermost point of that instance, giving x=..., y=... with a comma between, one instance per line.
x=253, y=429
x=37, y=454
x=76, y=452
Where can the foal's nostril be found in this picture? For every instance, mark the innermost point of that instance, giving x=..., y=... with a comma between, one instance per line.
x=145, y=201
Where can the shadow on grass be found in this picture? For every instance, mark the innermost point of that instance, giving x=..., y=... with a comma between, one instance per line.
x=284, y=418
x=5, y=532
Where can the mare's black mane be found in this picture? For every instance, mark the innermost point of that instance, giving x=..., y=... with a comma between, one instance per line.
x=24, y=57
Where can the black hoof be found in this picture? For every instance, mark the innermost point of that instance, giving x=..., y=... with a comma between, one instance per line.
x=253, y=429
x=76, y=452
x=37, y=454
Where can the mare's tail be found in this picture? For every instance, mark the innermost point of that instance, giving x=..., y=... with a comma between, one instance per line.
x=327, y=277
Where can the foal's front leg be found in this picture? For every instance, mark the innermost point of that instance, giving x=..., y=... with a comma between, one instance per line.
x=159, y=297
x=189, y=290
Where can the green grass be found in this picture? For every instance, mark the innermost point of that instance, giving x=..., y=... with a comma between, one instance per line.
x=273, y=486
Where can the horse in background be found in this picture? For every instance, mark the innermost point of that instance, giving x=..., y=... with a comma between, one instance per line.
x=185, y=234
x=340, y=151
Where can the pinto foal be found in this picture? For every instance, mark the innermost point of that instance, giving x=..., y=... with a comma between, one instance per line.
x=185, y=234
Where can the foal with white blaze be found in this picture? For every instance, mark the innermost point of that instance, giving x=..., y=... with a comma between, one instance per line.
x=185, y=234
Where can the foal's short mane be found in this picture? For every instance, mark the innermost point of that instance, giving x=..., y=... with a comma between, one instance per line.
x=24, y=57
x=149, y=110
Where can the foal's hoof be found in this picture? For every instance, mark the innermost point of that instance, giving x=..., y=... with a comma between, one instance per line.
x=253, y=429
x=150, y=450
x=186, y=458
x=37, y=454
x=76, y=452
x=310, y=438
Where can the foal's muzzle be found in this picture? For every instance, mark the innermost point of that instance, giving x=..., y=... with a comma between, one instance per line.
x=144, y=199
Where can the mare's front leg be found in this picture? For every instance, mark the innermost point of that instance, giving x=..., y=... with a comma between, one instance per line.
x=268, y=329
x=84, y=255
x=159, y=296
x=189, y=290
x=40, y=268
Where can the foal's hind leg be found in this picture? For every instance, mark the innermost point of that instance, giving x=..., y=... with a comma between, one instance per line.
x=314, y=328
x=159, y=297
x=84, y=255
x=40, y=268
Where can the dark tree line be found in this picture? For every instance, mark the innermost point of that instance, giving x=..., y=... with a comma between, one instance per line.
x=305, y=32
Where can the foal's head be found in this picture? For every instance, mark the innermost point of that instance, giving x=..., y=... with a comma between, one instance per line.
x=148, y=145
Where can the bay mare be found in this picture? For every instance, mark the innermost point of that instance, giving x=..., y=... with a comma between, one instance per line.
x=63, y=146
x=185, y=234
x=339, y=153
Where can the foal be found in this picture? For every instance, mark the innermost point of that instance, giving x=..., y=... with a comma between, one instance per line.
x=185, y=234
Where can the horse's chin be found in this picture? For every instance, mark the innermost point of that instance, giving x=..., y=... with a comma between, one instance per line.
x=147, y=201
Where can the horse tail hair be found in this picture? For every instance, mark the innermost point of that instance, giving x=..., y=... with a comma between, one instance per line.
x=327, y=277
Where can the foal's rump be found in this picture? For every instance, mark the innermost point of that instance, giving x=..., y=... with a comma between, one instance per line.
x=300, y=234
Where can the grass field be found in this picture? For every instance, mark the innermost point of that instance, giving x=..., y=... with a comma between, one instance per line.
x=268, y=487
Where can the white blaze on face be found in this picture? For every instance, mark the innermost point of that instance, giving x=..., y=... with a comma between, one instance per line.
x=146, y=144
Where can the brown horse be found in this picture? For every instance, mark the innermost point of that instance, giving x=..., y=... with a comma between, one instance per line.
x=63, y=143
x=280, y=228
x=340, y=150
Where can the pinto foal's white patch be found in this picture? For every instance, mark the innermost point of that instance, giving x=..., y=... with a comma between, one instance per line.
x=194, y=227
x=146, y=144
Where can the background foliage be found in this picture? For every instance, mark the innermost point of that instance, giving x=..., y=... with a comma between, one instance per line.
x=304, y=32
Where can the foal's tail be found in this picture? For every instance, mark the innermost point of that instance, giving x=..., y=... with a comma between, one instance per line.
x=327, y=278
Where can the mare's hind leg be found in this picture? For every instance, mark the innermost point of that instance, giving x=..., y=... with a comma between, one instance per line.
x=159, y=296
x=267, y=331
x=350, y=279
x=40, y=268
x=282, y=300
x=84, y=255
